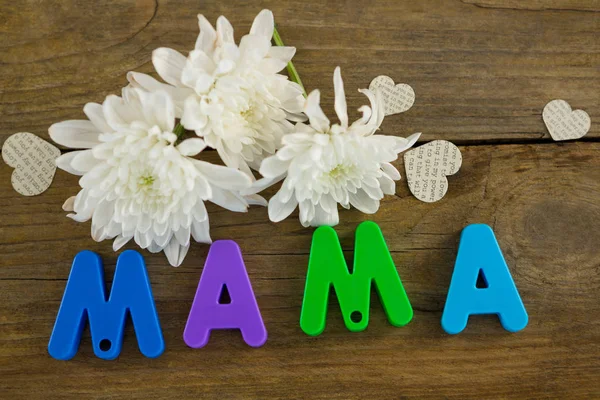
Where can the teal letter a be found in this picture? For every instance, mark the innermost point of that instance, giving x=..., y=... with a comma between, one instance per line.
x=372, y=263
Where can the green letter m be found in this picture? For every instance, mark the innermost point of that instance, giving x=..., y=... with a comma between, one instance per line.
x=372, y=263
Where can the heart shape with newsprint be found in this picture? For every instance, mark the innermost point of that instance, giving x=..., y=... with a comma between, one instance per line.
x=427, y=167
x=33, y=160
x=397, y=98
x=563, y=123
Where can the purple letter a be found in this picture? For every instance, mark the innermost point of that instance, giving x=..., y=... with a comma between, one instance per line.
x=224, y=268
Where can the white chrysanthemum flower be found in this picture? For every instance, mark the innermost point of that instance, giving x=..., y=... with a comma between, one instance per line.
x=136, y=182
x=325, y=165
x=231, y=96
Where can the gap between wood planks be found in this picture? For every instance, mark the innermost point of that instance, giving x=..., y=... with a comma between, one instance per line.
x=469, y=143
x=523, y=6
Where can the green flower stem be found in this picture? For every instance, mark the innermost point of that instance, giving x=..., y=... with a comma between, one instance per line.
x=179, y=131
x=294, y=77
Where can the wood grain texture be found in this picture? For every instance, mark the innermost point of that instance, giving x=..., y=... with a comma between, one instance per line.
x=541, y=200
x=482, y=70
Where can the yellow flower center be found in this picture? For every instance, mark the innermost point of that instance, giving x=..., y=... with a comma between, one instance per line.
x=248, y=113
x=146, y=180
x=338, y=171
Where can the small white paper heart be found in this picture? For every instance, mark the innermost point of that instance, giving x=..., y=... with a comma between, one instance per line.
x=33, y=160
x=427, y=167
x=397, y=98
x=563, y=123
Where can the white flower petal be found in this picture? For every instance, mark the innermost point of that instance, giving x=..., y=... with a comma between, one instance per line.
x=120, y=241
x=95, y=114
x=254, y=48
x=144, y=224
x=158, y=109
x=366, y=115
x=377, y=108
x=76, y=134
x=203, y=188
x=207, y=37
x=340, y=98
x=201, y=231
x=388, y=186
x=256, y=200
x=175, y=252
x=273, y=167
x=374, y=191
x=307, y=212
x=199, y=211
x=183, y=236
x=263, y=24
x=64, y=162
x=315, y=114
x=271, y=65
x=163, y=240
x=69, y=204
x=327, y=218
x=226, y=66
x=408, y=142
x=198, y=60
x=260, y=185
x=144, y=240
x=154, y=248
x=169, y=64
x=193, y=118
x=327, y=203
x=103, y=213
x=224, y=30
x=118, y=114
x=84, y=161
x=282, y=53
x=230, y=159
x=223, y=177
x=391, y=171
x=191, y=147
x=146, y=82
x=280, y=210
x=228, y=200
x=203, y=83
x=363, y=202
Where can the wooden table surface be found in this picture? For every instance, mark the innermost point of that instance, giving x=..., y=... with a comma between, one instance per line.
x=482, y=71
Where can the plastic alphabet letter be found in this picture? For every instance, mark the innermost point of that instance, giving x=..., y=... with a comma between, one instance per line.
x=85, y=298
x=372, y=263
x=479, y=252
x=224, y=268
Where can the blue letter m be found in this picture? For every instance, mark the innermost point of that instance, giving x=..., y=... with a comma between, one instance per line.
x=85, y=298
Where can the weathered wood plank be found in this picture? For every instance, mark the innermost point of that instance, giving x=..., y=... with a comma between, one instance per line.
x=482, y=70
x=542, y=201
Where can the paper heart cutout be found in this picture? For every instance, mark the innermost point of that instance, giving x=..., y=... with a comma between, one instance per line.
x=397, y=98
x=427, y=167
x=33, y=160
x=563, y=123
